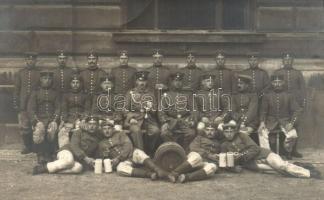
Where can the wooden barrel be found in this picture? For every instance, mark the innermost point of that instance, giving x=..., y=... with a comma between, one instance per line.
x=169, y=155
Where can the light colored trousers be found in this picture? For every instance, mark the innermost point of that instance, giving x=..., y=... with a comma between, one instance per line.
x=64, y=164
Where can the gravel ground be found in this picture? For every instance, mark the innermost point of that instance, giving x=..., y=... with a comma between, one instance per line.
x=18, y=183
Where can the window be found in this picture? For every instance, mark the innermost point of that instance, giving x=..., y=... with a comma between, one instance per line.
x=188, y=14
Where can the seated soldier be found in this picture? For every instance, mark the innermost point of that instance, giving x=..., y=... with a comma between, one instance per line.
x=78, y=154
x=44, y=110
x=103, y=103
x=74, y=108
x=279, y=112
x=202, y=160
x=210, y=106
x=249, y=155
x=245, y=105
x=176, y=115
x=115, y=146
x=140, y=115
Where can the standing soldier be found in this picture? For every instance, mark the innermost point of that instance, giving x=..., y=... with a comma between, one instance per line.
x=74, y=108
x=159, y=75
x=44, y=111
x=177, y=116
x=26, y=81
x=140, y=116
x=295, y=84
x=124, y=75
x=103, y=102
x=260, y=78
x=279, y=112
x=79, y=154
x=223, y=76
x=62, y=74
x=91, y=75
x=245, y=105
x=192, y=74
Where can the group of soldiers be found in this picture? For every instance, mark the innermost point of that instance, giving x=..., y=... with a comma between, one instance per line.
x=70, y=117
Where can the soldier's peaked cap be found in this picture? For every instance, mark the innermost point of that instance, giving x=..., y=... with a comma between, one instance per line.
x=47, y=73
x=92, y=119
x=31, y=55
x=123, y=53
x=229, y=124
x=106, y=78
x=277, y=77
x=61, y=53
x=92, y=53
x=177, y=76
x=208, y=76
x=157, y=53
x=244, y=78
x=142, y=75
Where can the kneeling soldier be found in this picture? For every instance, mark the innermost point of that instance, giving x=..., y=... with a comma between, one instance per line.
x=202, y=160
x=44, y=110
x=249, y=155
x=72, y=157
x=74, y=108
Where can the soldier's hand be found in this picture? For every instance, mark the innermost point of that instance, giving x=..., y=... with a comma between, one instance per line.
x=133, y=121
x=165, y=127
x=89, y=161
x=115, y=162
x=289, y=127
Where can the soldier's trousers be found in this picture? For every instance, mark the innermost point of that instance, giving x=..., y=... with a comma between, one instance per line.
x=64, y=164
x=64, y=134
x=182, y=134
x=274, y=162
x=25, y=129
x=290, y=139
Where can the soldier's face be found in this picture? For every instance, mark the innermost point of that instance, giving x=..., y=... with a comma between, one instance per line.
x=177, y=84
x=141, y=84
x=105, y=85
x=123, y=60
x=230, y=133
x=107, y=131
x=31, y=62
x=46, y=81
x=92, y=127
x=287, y=61
x=61, y=60
x=242, y=86
x=92, y=61
x=210, y=132
x=157, y=60
x=253, y=62
x=278, y=85
x=75, y=84
x=191, y=60
x=207, y=83
x=220, y=60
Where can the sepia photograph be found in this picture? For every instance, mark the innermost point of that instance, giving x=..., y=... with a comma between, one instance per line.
x=162, y=99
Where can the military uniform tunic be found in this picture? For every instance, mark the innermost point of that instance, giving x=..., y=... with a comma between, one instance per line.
x=75, y=106
x=91, y=79
x=158, y=75
x=260, y=80
x=124, y=78
x=205, y=146
x=223, y=79
x=62, y=77
x=192, y=75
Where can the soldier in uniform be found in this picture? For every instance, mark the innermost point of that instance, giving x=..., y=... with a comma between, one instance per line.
x=192, y=74
x=74, y=109
x=245, y=105
x=124, y=75
x=223, y=76
x=116, y=145
x=26, y=81
x=140, y=116
x=279, y=112
x=62, y=74
x=92, y=74
x=44, y=112
x=251, y=156
x=159, y=75
x=295, y=84
x=77, y=155
x=201, y=162
x=211, y=105
x=260, y=78
x=103, y=102
x=177, y=116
